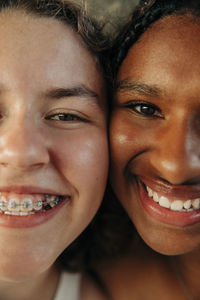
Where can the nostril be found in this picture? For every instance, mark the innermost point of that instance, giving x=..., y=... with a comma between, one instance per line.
x=189, y=182
x=177, y=168
x=192, y=181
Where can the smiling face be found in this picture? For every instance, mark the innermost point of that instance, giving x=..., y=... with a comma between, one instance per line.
x=155, y=138
x=53, y=141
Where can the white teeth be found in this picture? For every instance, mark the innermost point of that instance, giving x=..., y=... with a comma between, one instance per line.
x=23, y=213
x=196, y=204
x=26, y=205
x=176, y=205
x=13, y=213
x=3, y=203
x=150, y=192
x=187, y=204
x=8, y=213
x=13, y=204
x=155, y=197
x=52, y=200
x=164, y=202
x=38, y=205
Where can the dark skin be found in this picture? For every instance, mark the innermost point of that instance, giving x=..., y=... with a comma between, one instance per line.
x=159, y=140
x=142, y=275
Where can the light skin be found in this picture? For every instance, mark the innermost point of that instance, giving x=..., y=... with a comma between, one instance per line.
x=155, y=139
x=47, y=73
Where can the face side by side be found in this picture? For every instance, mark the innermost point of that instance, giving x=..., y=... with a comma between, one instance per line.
x=155, y=134
x=53, y=137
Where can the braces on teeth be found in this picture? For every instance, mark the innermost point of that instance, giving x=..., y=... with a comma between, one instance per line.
x=27, y=206
x=176, y=205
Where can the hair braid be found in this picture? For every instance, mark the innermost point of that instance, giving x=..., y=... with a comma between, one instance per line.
x=145, y=14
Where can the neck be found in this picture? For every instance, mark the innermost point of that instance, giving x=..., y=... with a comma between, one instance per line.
x=188, y=266
x=41, y=287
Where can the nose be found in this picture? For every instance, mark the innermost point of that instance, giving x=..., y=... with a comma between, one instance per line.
x=22, y=145
x=176, y=152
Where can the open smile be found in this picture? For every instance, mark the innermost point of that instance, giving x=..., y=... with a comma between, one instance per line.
x=24, y=205
x=24, y=210
x=175, y=205
x=172, y=210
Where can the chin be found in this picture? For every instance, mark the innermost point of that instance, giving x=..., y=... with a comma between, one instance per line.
x=21, y=269
x=21, y=263
x=168, y=241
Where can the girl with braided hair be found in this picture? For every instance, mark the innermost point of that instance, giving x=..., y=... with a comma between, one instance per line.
x=155, y=149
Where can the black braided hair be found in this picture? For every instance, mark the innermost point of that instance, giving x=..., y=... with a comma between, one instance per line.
x=117, y=228
x=144, y=15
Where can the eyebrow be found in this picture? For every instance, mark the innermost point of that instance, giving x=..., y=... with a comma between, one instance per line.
x=76, y=91
x=133, y=86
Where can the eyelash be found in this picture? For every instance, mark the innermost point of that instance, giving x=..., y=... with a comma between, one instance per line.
x=154, y=113
x=66, y=117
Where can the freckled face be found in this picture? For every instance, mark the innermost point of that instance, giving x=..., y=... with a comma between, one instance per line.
x=53, y=136
x=155, y=137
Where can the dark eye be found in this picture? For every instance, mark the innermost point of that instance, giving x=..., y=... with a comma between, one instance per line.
x=146, y=109
x=65, y=117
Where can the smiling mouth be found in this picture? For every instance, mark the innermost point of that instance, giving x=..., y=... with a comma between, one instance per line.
x=178, y=205
x=24, y=205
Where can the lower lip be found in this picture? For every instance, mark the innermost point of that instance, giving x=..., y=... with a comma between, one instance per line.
x=164, y=215
x=31, y=220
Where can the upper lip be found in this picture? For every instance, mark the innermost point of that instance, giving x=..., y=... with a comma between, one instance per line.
x=18, y=189
x=182, y=192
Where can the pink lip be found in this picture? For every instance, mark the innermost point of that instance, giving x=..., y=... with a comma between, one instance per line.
x=164, y=215
x=28, y=190
x=31, y=220
x=182, y=192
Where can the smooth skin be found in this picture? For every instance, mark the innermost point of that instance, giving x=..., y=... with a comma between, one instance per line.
x=48, y=141
x=154, y=134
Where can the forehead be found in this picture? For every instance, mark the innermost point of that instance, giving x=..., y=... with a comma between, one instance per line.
x=169, y=45
x=17, y=26
x=32, y=46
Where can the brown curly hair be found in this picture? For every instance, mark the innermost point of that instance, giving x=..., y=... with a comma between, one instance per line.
x=71, y=14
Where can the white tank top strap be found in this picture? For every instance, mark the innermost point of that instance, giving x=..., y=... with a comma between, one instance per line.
x=68, y=287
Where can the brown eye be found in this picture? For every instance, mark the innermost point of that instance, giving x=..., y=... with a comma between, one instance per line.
x=146, y=109
x=65, y=117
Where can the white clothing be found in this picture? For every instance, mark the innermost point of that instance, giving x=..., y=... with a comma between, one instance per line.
x=68, y=287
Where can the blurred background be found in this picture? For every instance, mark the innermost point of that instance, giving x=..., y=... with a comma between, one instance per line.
x=112, y=7
x=113, y=11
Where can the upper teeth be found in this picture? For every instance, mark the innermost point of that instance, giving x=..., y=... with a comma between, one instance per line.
x=12, y=205
x=176, y=205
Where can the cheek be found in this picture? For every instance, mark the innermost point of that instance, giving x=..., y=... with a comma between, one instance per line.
x=82, y=157
x=127, y=140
